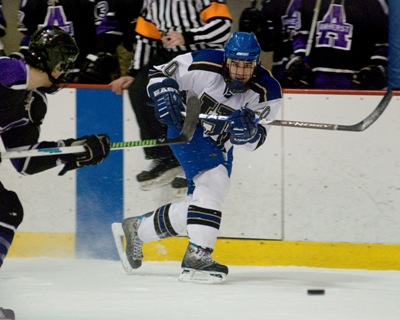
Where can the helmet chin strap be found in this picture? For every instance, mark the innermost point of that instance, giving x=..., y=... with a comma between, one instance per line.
x=57, y=83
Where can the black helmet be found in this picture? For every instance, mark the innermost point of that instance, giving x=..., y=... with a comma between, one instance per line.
x=51, y=49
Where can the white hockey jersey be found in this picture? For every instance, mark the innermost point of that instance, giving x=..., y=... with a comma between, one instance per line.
x=200, y=73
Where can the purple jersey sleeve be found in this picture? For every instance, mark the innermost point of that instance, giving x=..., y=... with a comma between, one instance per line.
x=12, y=72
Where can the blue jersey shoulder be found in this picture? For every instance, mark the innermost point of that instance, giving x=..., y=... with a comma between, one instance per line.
x=207, y=60
x=266, y=85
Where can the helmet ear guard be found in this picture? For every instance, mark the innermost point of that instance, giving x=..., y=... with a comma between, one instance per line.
x=241, y=46
x=52, y=49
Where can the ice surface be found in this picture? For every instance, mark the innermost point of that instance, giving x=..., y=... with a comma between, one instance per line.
x=58, y=289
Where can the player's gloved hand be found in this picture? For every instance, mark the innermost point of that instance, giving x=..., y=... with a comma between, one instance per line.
x=97, y=148
x=167, y=102
x=250, y=20
x=371, y=78
x=297, y=74
x=242, y=127
x=16, y=55
x=100, y=68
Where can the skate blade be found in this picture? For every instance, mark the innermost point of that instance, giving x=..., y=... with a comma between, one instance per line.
x=204, y=277
x=180, y=192
x=164, y=179
x=119, y=235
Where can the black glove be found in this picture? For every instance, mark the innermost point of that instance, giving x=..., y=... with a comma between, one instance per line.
x=242, y=127
x=100, y=68
x=297, y=74
x=371, y=78
x=167, y=102
x=250, y=20
x=97, y=149
x=16, y=55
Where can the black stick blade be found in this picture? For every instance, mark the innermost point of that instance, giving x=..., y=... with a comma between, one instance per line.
x=368, y=121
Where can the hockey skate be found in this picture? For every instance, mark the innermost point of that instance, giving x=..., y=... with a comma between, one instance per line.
x=134, y=245
x=131, y=257
x=179, y=186
x=118, y=235
x=160, y=172
x=199, y=267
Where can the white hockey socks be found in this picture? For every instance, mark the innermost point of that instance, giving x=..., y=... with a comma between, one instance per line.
x=167, y=221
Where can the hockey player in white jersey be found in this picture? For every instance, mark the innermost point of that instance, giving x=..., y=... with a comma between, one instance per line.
x=227, y=82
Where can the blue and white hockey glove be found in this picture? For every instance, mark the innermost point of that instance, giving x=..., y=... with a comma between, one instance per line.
x=243, y=127
x=168, y=103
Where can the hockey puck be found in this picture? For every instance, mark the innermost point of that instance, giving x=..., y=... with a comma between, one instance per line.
x=315, y=292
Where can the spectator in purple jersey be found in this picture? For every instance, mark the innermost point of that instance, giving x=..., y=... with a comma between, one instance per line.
x=349, y=48
x=3, y=26
x=83, y=20
x=46, y=67
x=274, y=25
x=122, y=16
x=125, y=14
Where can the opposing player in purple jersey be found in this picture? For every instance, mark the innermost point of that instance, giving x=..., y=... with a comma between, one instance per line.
x=349, y=48
x=23, y=86
x=83, y=20
x=228, y=82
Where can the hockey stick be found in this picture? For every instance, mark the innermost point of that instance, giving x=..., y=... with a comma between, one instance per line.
x=360, y=126
x=189, y=126
x=310, y=39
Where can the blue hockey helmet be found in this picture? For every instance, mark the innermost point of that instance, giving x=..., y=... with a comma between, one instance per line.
x=241, y=46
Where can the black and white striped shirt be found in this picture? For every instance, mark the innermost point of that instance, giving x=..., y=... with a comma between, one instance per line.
x=203, y=23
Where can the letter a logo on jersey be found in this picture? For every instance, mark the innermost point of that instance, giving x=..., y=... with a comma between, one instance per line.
x=56, y=17
x=333, y=31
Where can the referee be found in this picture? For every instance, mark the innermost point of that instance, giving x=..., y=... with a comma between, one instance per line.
x=165, y=29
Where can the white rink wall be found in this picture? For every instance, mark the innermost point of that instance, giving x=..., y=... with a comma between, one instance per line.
x=303, y=184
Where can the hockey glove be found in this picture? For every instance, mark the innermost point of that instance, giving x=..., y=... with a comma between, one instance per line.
x=250, y=20
x=167, y=102
x=297, y=74
x=371, y=78
x=100, y=68
x=242, y=127
x=97, y=149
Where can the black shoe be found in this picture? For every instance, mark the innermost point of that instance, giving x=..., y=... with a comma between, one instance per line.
x=179, y=186
x=159, y=173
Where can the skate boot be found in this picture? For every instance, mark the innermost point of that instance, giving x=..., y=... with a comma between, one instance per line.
x=179, y=186
x=134, y=245
x=159, y=173
x=198, y=266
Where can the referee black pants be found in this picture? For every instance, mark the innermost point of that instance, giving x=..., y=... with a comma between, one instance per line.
x=149, y=126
